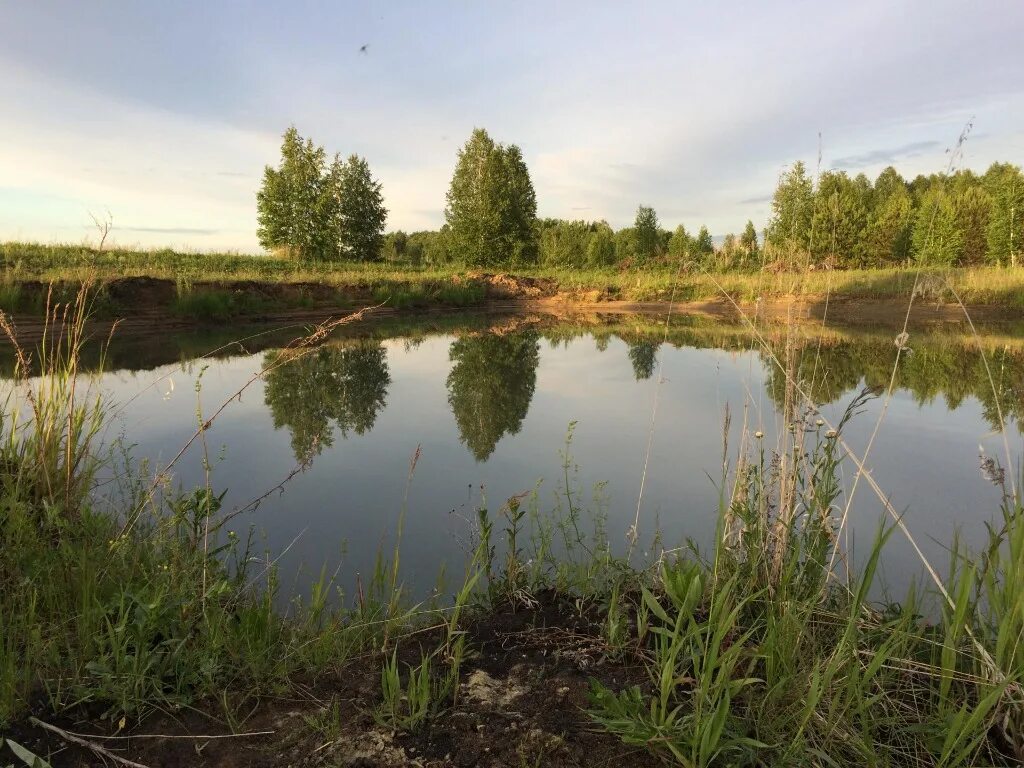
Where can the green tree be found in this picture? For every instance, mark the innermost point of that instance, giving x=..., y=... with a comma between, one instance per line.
x=730, y=255
x=748, y=241
x=330, y=387
x=564, y=243
x=703, y=245
x=625, y=245
x=361, y=211
x=888, y=183
x=524, y=206
x=490, y=386
x=973, y=205
x=646, y=234
x=792, y=208
x=396, y=246
x=937, y=238
x=840, y=219
x=1005, y=231
x=294, y=205
x=601, y=248
x=491, y=206
x=887, y=238
x=680, y=245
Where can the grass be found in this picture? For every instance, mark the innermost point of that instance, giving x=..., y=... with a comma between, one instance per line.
x=403, y=286
x=121, y=598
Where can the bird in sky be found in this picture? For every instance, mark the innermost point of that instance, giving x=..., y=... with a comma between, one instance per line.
x=364, y=48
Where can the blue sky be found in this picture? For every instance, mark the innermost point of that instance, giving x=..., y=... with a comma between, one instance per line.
x=165, y=113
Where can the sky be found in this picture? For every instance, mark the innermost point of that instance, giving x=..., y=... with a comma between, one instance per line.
x=164, y=114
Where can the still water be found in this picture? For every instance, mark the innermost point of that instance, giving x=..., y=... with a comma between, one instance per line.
x=488, y=401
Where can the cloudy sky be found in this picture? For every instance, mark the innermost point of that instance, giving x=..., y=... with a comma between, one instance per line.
x=165, y=113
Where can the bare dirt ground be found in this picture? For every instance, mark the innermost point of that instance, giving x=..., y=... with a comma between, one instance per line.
x=521, y=701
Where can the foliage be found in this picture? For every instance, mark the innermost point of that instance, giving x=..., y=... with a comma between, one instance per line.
x=1005, y=233
x=565, y=243
x=490, y=387
x=643, y=356
x=340, y=387
x=748, y=241
x=792, y=210
x=646, y=234
x=361, y=211
x=840, y=220
x=887, y=238
x=680, y=245
x=294, y=204
x=703, y=245
x=491, y=206
x=937, y=236
x=601, y=247
x=310, y=210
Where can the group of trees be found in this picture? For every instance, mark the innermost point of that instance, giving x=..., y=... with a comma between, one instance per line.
x=595, y=244
x=315, y=210
x=942, y=219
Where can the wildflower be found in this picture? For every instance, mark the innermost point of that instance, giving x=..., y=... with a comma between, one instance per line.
x=831, y=434
x=990, y=469
x=819, y=422
x=759, y=434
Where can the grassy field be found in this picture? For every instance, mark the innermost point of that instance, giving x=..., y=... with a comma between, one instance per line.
x=132, y=606
x=405, y=286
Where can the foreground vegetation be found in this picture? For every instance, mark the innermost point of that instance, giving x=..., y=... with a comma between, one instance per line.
x=124, y=598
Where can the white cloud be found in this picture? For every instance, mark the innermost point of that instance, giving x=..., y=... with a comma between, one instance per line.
x=691, y=108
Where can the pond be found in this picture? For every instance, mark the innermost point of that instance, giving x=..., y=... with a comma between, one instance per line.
x=486, y=403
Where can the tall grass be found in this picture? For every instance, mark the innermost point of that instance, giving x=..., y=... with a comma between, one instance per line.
x=122, y=596
x=765, y=653
x=448, y=284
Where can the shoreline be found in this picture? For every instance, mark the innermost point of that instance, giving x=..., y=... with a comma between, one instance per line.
x=146, y=306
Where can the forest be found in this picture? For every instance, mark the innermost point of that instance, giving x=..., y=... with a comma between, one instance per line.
x=313, y=211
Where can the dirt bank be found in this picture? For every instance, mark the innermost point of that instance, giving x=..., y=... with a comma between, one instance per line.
x=143, y=306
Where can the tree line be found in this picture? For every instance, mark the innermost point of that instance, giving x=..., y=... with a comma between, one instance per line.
x=957, y=219
x=311, y=209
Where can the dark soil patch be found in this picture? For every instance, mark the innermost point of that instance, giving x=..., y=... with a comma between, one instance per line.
x=521, y=701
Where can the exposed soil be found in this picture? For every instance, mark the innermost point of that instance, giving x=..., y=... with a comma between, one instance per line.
x=521, y=702
x=142, y=305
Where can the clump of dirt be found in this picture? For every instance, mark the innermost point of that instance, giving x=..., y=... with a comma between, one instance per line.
x=505, y=286
x=521, y=700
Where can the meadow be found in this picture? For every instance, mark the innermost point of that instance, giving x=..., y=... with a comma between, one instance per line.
x=27, y=267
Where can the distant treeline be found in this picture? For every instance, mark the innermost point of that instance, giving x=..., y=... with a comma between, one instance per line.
x=312, y=210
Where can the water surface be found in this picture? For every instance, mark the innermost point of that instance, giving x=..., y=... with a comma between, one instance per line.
x=488, y=402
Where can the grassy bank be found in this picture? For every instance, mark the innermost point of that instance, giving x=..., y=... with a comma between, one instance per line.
x=130, y=608
x=222, y=286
